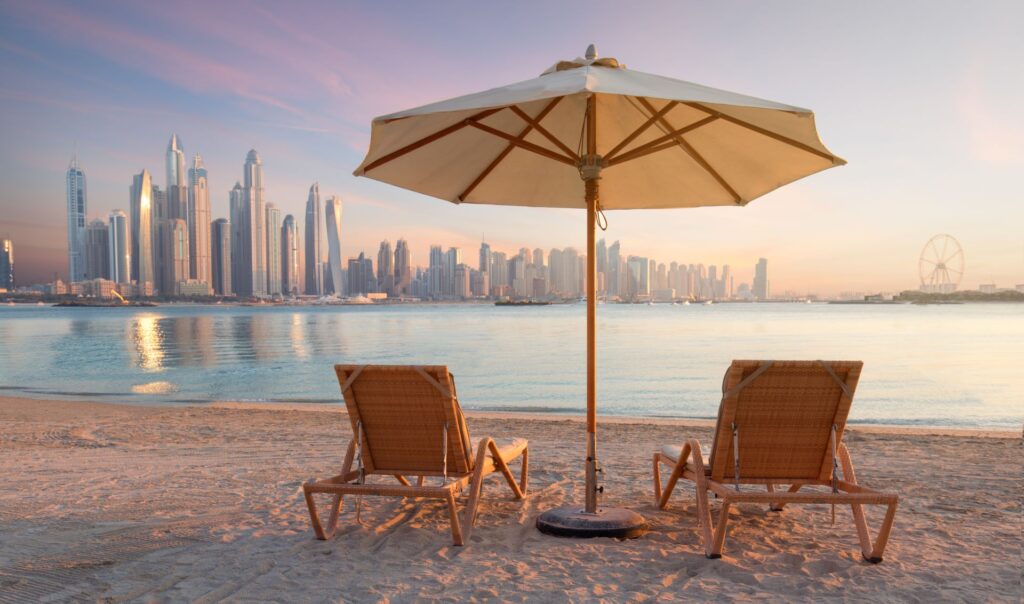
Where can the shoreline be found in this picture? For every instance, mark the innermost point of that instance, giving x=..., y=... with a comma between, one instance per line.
x=532, y=416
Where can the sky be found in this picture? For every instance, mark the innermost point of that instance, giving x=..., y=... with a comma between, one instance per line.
x=922, y=99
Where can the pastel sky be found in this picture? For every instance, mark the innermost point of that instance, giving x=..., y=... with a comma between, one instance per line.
x=922, y=98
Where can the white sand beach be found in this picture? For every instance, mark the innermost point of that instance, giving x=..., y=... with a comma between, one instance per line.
x=119, y=503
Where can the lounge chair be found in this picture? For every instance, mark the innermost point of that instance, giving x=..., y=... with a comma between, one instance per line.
x=406, y=421
x=779, y=423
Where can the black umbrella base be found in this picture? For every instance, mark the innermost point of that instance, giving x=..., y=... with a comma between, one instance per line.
x=606, y=522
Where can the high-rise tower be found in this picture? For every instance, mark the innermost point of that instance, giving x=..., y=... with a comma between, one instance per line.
x=141, y=212
x=760, y=289
x=7, y=264
x=315, y=246
x=332, y=212
x=290, y=276
x=273, y=250
x=119, y=245
x=403, y=267
x=175, y=163
x=198, y=221
x=77, y=206
x=97, y=250
x=386, y=268
x=220, y=256
x=256, y=227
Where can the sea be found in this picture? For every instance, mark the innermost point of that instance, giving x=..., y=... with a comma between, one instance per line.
x=933, y=365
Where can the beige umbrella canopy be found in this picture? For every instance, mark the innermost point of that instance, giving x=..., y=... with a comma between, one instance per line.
x=592, y=134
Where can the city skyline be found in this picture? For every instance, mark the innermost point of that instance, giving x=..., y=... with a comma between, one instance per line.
x=112, y=93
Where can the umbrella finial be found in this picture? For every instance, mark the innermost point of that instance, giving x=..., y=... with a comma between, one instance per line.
x=591, y=53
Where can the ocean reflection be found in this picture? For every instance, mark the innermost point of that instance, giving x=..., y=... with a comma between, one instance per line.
x=148, y=340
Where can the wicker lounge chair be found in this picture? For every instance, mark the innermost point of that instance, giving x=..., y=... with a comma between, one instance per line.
x=779, y=423
x=406, y=422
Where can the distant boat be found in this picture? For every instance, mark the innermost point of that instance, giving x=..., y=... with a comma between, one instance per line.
x=686, y=302
x=708, y=303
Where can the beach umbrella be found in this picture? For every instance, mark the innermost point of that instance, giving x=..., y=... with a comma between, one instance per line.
x=592, y=134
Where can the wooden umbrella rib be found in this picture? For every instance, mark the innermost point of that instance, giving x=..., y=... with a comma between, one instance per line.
x=763, y=131
x=657, y=144
x=689, y=149
x=430, y=138
x=508, y=149
x=523, y=144
x=551, y=137
x=643, y=127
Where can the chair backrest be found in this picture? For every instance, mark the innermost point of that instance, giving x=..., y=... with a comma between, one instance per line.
x=783, y=413
x=406, y=414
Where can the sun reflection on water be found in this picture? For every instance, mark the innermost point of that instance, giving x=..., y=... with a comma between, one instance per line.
x=148, y=341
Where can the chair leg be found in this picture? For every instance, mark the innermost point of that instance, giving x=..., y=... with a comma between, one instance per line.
x=719, y=539
x=500, y=463
x=704, y=520
x=419, y=481
x=314, y=517
x=524, y=473
x=657, y=479
x=453, y=515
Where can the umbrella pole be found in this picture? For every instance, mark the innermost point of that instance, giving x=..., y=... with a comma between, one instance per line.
x=591, y=521
x=592, y=467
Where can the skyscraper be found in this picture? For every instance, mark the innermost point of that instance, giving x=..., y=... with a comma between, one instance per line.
x=273, y=250
x=97, y=250
x=760, y=289
x=256, y=227
x=289, y=256
x=198, y=221
x=386, y=268
x=332, y=214
x=7, y=264
x=612, y=278
x=77, y=206
x=173, y=239
x=119, y=244
x=141, y=210
x=220, y=256
x=315, y=245
x=360, y=270
x=436, y=272
x=175, y=164
x=241, y=279
x=403, y=267
x=453, y=258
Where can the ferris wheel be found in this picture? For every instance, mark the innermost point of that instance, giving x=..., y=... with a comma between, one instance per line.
x=941, y=265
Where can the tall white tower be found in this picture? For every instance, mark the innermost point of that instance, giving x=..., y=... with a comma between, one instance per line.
x=333, y=214
x=198, y=221
x=77, y=204
x=314, y=243
x=119, y=246
x=175, y=163
x=141, y=209
x=252, y=184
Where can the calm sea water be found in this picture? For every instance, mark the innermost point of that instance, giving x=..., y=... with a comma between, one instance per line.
x=924, y=365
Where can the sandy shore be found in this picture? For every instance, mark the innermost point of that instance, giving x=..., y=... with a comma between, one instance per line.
x=114, y=503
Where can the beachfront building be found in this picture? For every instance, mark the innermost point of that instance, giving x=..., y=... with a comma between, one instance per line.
x=141, y=214
x=273, y=250
x=760, y=288
x=97, y=250
x=119, y=248
x=7, y=264
x=198, y=221
x=76, y=206
x=315, y=244
x=290, y=271
x=332, y=216
x=220, y=256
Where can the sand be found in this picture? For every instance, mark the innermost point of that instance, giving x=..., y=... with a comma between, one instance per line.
x=203, y=503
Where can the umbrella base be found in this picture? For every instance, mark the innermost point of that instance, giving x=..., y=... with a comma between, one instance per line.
x=606, y=522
